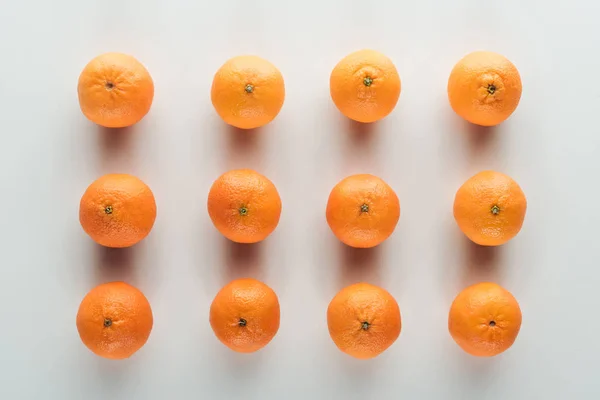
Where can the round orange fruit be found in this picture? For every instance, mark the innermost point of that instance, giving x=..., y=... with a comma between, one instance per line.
x=245, y=315
x=484, y=319
x=365, y=86
x=248, y=92
x=114, y=320
x=115, y=90
x=362, y=210
x=484, y=88
x=117, y=210
x=490, y=208
x=363, y=320
x=244, y=206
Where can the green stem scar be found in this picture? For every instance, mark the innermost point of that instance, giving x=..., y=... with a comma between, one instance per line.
x=107, y=322
x=491, y=88
x=495, y=210
x=368, y=81
x=108, y=209
x=365, y=326
x=242, y=322
x=364, y=208
x=243, y=210
x=249, y=88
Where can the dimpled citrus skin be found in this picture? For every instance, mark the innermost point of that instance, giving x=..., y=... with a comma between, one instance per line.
x=117, y=210
x=248, y=92
x=244, y=206
x=362, y=210
x=114, y=320
x=484, y=88
x=365, y=86
x=363, y=320
x=484, y=319
x=115, y=90
x=245, y=315
x=489, y=208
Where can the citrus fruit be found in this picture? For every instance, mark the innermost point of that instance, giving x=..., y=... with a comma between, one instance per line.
x=490, y=208
x=484, y=319
x=114, y=320
x=117, y=210
x=245, y=315
x=365, y=86
x=115, y=90
x=484, y=88
x=247, y=92
x=363, y=320
x=362, y=210
x=244, y=206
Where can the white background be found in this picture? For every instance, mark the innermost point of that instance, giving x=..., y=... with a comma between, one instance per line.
x=50, y=153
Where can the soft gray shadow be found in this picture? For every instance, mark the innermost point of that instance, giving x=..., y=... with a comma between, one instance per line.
x=116, y=264
x=479, y=138
x=359, y=265
x=243, y=260
x=116, y=145
x=113, y=373
x=482, y=263
x=244, y=148
x=361, y=138
x=361, y=133
x=358, y=374
x=478, y=373
x=229, y=366
x=360, y=145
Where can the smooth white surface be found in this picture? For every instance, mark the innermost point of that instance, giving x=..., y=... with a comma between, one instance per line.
x=50, y=153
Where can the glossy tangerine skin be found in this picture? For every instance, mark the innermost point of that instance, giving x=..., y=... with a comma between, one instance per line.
x=245, y=314
x=356, y=305
x=247, y=190
x=115, y=90
x=468, y=88
x=348, y=221
x=475, y=213
x=484, y=319
x=130, y=217
x=353, y=97
x=231, y=96
x=130, y=318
